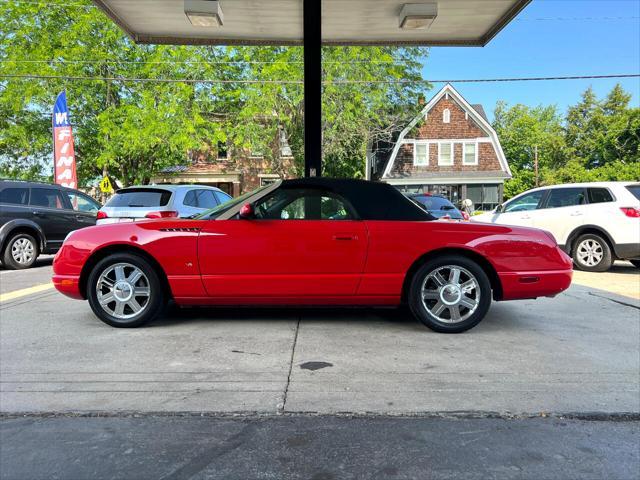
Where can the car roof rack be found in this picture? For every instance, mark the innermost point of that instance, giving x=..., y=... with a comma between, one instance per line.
x=20, y=180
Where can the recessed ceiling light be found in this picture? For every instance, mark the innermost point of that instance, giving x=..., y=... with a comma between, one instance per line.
x=203, y=13
x=416, y=16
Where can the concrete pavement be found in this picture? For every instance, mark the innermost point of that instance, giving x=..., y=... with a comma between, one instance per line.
x=578, y=352
x=622, y=279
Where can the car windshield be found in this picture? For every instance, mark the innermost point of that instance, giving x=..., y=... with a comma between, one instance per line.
x=434, y=203
x=220, y=209
x=437, y=206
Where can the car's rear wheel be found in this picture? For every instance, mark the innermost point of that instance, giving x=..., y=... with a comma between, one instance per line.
x=21, y=251
x=124, y=290
x=450, y=294
x=592, y=253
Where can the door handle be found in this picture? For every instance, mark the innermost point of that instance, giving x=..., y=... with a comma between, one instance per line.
x=525, y=217
x=36, y=213
x=345, y=237
x=576, y=214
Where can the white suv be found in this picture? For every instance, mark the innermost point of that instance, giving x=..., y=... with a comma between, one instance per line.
x=595, y=223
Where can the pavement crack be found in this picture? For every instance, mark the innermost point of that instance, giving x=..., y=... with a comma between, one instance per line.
x=615, y=301
x=209, y=455
x=282, y=406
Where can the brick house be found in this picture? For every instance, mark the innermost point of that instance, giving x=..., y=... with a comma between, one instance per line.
x=450, y=149
x=234, y=171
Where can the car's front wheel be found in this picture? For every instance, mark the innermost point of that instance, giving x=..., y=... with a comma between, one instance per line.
x=125, y=291
x=450, y=294
x=21, y=251
x=592, y=253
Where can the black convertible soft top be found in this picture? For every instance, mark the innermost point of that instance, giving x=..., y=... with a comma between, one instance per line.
x=372, y=200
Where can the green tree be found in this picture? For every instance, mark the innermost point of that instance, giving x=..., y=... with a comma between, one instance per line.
x=599, y=132
x=522, y=130
x=597, y=140
x=362, y=101
x=130, y=130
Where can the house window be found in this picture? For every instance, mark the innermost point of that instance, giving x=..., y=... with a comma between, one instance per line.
x=446, y=116
x=484, y=197
x=285, y=149
x=268, y=179
x=470, y=154
x=222, y=150
x=445, y=154
x=421, y=154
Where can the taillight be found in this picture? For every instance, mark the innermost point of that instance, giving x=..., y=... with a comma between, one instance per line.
x=162, y=214
x=632, y=212
x=101, y=215
x=466, y=216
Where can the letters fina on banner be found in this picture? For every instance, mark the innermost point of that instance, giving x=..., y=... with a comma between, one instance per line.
x=63, y=151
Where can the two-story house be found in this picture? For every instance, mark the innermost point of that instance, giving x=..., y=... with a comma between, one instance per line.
x=450, y=149
x=233, y=170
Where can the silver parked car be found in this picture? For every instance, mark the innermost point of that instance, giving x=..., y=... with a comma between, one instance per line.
x=160, y=201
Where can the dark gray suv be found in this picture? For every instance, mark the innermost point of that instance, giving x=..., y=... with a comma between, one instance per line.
x=36, y=217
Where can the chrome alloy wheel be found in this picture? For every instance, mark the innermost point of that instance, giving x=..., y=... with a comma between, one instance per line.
x=123, y=291
x=23, y=250
x=590, y=252
x=450, y=294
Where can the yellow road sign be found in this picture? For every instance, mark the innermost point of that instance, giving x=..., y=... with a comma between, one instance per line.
x=105, y=185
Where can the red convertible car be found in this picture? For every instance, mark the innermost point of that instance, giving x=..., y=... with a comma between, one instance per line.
x=310, y=242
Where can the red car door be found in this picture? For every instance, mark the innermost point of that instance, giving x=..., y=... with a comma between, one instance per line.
x=301, y=243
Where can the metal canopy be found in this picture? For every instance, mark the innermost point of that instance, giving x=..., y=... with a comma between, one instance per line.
x=344, y=22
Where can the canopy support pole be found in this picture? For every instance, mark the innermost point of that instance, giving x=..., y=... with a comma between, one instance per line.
x=312, y=13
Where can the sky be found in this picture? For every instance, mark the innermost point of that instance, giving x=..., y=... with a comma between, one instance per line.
x=549, y=38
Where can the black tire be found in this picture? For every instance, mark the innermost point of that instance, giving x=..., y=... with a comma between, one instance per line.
x=153, y=304
x=583, y=262
x=481, y=296
x=635, y=263
x=20, y=240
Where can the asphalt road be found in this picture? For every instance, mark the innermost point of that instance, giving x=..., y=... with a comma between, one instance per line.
x=317, y=448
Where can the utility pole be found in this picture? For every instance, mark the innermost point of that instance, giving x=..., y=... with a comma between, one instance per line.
x=535, y=163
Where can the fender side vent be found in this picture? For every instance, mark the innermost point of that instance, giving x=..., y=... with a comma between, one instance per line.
x=180, y=229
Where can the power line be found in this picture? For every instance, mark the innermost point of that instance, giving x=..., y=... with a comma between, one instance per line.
x=257, y=81
x=574, y=19
x=490, y=80
x=143, y=80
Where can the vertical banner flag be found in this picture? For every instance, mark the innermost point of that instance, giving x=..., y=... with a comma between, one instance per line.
x=64, y=171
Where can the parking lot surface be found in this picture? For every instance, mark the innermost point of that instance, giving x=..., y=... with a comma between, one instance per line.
x=622, y=279
x=578, y=352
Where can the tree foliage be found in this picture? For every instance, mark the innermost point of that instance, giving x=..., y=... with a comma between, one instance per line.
x=131, y=130
x=596, y=140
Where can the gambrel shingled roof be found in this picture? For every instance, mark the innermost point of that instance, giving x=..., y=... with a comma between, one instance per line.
x=477, y=114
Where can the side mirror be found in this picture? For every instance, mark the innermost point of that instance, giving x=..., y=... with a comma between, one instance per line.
x=246, y=211
x=499, y=208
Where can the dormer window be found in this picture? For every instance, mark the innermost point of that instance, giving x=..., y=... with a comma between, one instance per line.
x=446, y=116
